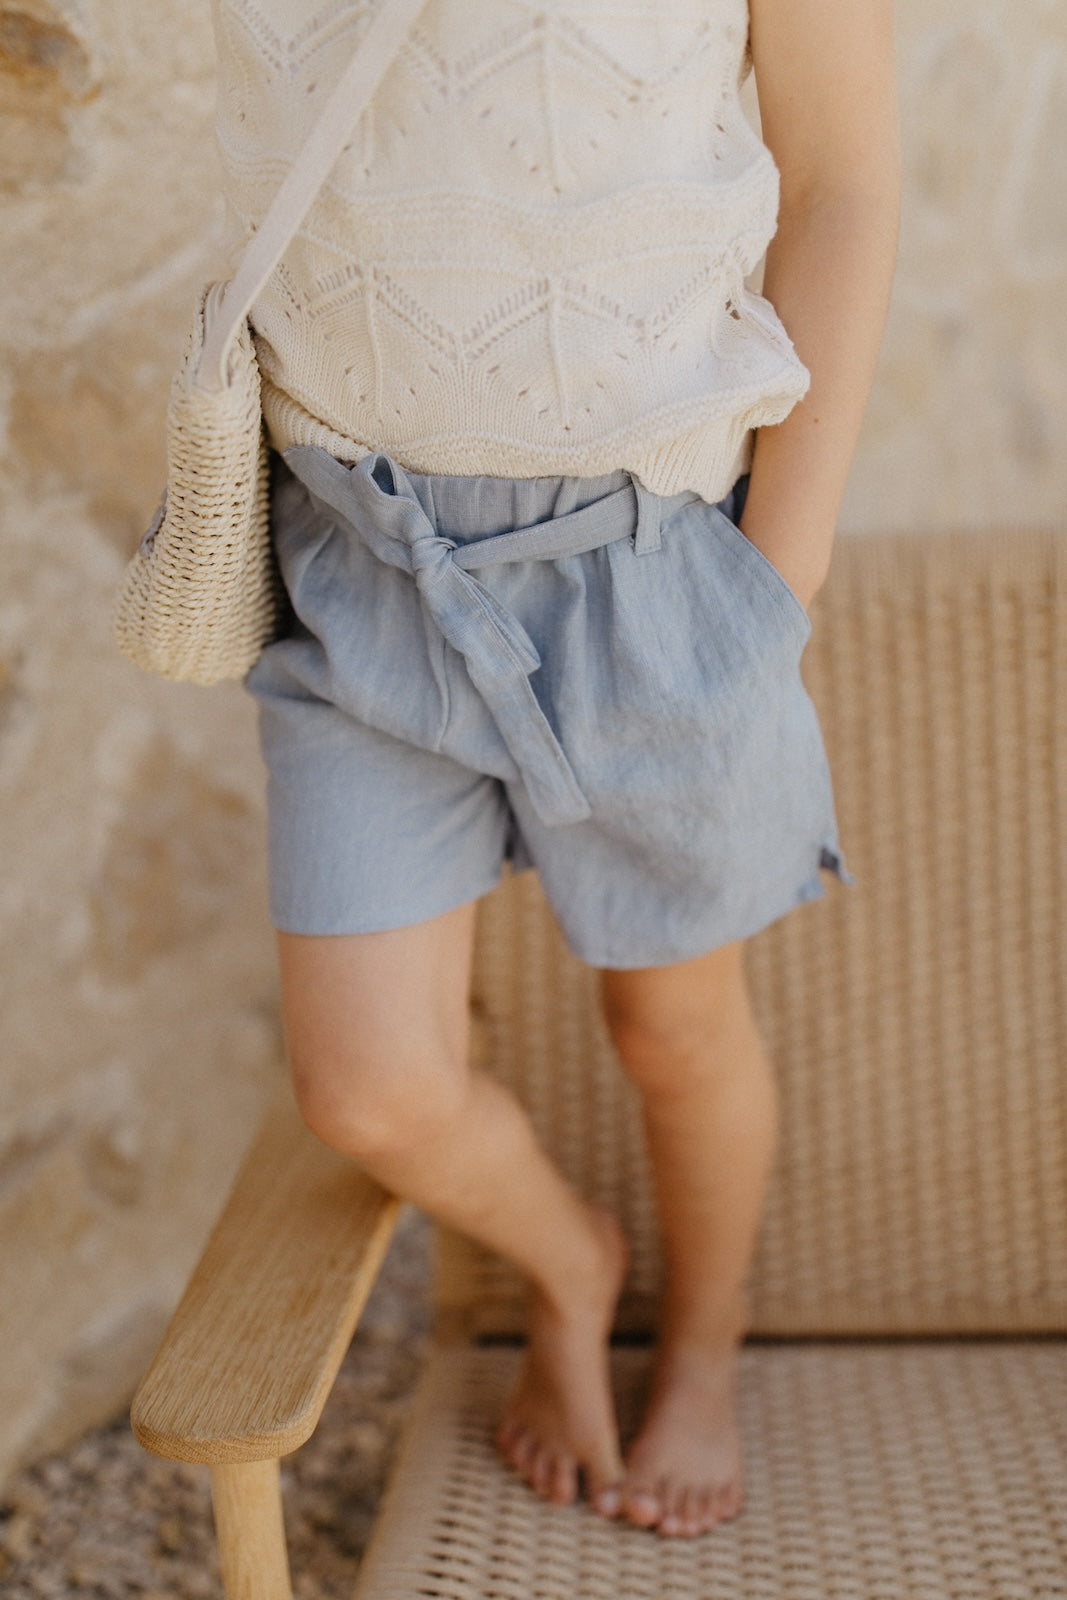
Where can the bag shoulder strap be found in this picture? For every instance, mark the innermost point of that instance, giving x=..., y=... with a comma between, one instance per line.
x=346, y=104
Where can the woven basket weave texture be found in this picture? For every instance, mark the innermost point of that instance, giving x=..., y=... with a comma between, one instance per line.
x=202, y=595
x=912, y=1472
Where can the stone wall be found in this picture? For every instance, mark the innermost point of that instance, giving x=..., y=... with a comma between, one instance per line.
x=139, y=1024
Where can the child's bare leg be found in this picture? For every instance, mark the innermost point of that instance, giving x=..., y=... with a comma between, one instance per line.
x=688, y=1039
x=377, y=1032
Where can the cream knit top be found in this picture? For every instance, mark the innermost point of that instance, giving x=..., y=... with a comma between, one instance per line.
x=531, y=257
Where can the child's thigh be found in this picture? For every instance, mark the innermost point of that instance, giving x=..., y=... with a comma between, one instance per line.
x=376, y=1018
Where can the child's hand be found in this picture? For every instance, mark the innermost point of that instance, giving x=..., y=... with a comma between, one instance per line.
x=800, y=559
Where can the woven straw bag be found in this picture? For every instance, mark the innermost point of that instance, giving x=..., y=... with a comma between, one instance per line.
x=202, y=596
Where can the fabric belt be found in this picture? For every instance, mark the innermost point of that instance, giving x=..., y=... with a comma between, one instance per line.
x=499, y=653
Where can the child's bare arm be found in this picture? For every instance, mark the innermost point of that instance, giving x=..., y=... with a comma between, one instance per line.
x=825, y=75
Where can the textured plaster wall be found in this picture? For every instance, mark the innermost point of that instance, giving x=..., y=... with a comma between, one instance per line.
x=137, y=1012
x=138, y=1019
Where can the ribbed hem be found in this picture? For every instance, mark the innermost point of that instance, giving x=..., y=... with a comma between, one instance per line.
x=671, y=452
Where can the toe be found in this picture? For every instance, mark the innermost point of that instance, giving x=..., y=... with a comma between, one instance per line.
x=608, y=1502
x=562, y=1480
x=523, y=1454
x=540, y=1471
x=603, y=1471
x=603, y=1475
x=671, y=1524
x=507, y=1436
x=691, y=1513
x=707, y=1512
x=728, y=1501
x=642, y=1506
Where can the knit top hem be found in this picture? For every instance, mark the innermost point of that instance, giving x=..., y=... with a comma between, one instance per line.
x=678, y=448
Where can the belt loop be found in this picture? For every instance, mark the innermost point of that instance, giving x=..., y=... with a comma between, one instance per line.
x=647, y=532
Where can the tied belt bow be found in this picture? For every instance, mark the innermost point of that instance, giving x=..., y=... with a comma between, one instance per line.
x=499, y=653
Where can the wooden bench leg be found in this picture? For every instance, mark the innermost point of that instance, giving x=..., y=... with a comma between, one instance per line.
x=248, y=1520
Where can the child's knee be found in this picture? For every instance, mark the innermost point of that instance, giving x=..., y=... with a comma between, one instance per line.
x=671, y=1043
x=376, y=1109
x=660, y=1053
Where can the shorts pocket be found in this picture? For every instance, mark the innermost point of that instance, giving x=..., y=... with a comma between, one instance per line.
x=764, y=571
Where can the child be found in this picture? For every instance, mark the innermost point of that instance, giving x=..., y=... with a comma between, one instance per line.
x=556, y=493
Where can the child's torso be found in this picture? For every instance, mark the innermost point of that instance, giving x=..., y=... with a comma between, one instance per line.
x=531, y=258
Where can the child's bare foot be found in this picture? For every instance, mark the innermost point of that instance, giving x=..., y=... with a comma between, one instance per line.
x=561, y=1419
x=684, y=1470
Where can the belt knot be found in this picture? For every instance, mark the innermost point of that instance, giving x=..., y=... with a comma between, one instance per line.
x=430, y=554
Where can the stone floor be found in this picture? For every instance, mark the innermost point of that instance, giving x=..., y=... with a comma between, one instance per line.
x=108, y=1521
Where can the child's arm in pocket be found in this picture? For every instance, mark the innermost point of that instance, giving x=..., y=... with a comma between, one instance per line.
x=827, y=93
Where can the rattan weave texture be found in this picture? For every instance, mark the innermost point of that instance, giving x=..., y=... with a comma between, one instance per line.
x=918, y=1021
x=201, y=596
x=877, y=1472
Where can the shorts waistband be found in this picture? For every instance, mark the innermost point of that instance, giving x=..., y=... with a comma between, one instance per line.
x=379, y=502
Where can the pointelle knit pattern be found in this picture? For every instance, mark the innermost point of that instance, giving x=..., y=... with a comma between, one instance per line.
x=531, y=257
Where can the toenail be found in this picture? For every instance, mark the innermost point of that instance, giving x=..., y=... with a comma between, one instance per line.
x=645, y=1508
x=608, y=1502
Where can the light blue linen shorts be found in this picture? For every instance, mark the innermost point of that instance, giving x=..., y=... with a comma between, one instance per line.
x=573, y=674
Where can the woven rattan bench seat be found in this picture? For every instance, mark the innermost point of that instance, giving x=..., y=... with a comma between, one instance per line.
x=918, y=1027
x=895, y=1471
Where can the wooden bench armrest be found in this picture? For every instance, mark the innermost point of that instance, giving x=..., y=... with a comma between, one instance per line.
x=253, y=1348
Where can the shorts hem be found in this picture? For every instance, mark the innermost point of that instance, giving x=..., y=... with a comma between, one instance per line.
x=345, y=927
x=810, y=890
